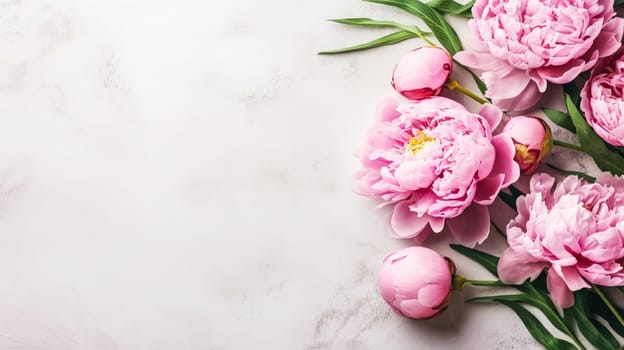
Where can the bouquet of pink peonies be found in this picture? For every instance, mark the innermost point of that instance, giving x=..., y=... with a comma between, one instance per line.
x=440, y=166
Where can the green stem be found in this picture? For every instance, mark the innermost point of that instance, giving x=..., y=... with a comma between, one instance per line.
x=421, y=35
x=575, y=173
x=459, y=281
x=482, y=283
x=452, y=84
x=411, y=29
x=608, y=303
x=568, y=145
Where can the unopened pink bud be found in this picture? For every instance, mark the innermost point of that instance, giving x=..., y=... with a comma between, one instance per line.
x=422, y=72
x=416, y=282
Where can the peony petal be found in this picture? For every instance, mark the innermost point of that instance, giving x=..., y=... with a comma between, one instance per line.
x=433, y=295
x=523, y=101
x=480, y=61
x=413, y=309
x=388, y=110
x=559, y=292
x=472, y=226
x=514, y=268
x=571, y=277
x=504, y=162
x=437, y=224
x=562, y=74
x=405, y=223
x=492, y=114
x=507, y=84
x=488, y=188
x=610, y=38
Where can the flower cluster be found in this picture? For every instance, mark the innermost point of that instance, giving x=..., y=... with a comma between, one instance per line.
x=522, y=46
x=440, y=165
x=575, y=230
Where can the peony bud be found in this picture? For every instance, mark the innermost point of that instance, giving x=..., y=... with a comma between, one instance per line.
x=416, y=282
x=532, y=139
x=422, y=73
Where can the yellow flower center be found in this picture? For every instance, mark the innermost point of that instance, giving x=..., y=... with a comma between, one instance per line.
x=419, y=141
x=524, y=156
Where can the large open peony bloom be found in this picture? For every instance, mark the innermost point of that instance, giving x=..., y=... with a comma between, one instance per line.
x=522, y=45
x=437, y=163
x=602, y=99
x=575, y=230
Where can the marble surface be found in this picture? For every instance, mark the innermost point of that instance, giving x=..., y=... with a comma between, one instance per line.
x=177, y=175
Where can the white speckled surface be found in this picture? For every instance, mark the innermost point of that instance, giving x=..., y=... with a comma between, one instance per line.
x=177, y=175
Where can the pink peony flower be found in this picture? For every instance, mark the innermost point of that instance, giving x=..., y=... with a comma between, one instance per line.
x=416, y=282
x=437, y=163
x=602, y=99
x=524, y=45
x=575, y=230
x=422, y=73
x=533, y=140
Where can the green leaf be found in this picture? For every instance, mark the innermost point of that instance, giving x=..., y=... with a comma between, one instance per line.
x=537, y=330
x=432, y=18
x=452, y=7
x=574, y=173
x=363, y=22
x=592, y=144
x=515, y=191
x=509, y=199
x=568, y=317
x=390, y=39
x=369, y=22
x=560, y=118
x=486, y=260
x=598, y=307
x=537, y=301
x=573, y=91
x=595, y=335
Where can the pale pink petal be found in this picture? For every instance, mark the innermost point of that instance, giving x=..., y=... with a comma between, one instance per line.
x=492, y=114
x=437, y=224
x=523, y=101
x=504, y=162
x=610, y=37
x=479, y=61
x=562, y=74
x=472, y=226
x=432, y=295
x=405, y=223
x=414, y=309
x=388, y=109
x=571, y=277
x=515, y=268
x=509, y=85
x=559, y=292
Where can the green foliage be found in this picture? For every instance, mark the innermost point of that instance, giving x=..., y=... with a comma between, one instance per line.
x=440, y=28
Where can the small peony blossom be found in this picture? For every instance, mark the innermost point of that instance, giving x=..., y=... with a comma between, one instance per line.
x=575, y=230
x=416, y=282
x=533, y=140
x=522, y=46
x=437, y=163
x=422, y=73
x=602, y=99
